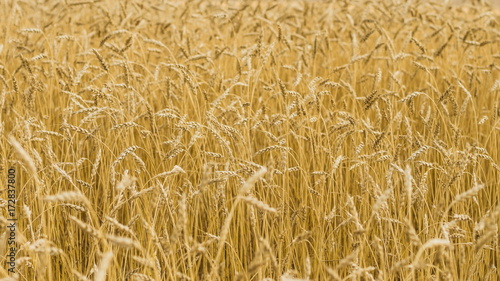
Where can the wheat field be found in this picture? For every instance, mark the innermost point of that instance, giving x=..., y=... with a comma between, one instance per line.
x=249, y=140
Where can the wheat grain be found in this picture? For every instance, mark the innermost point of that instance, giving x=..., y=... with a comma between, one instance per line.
x=69, y=196
x=106, y=261
x=259, y=204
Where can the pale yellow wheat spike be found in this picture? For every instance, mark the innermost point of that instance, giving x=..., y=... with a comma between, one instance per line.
x=23, y=155
x=104, y=264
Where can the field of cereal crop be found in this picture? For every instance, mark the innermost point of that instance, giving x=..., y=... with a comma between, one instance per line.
x=249, y=140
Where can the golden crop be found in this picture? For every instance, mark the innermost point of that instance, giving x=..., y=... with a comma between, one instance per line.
x=250, y=140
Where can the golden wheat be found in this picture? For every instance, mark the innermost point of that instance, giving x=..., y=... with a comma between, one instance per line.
x=250, y=140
